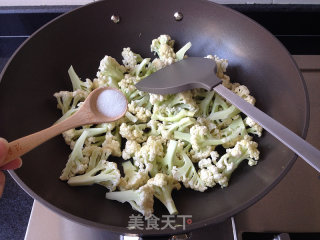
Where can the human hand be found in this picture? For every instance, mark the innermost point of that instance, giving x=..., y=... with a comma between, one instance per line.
x=11, y=165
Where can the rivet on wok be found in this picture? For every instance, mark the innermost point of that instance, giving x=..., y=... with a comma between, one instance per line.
x=178, y=16
x=115, y=18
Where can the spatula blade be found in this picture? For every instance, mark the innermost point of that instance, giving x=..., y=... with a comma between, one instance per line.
x=192, y=72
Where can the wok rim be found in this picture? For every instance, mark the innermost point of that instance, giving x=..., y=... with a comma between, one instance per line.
x=195, y=225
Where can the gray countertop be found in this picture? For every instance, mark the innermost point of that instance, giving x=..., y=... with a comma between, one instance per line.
x=293, y=205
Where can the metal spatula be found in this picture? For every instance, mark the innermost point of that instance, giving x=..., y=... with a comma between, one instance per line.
x=196, y=72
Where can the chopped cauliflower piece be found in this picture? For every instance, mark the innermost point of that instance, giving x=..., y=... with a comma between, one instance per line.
x=134, y=177
x=140, y=200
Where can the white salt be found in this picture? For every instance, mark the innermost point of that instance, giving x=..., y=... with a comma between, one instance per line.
x=111, y=103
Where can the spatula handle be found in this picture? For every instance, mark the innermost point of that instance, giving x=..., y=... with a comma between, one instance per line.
x=298, y=145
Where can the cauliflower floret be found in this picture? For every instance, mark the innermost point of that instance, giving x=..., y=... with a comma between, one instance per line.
x=249, y=148
x=201, y=153
x=163, y=186
x=77, y=162
x=141, y=113
x=77, y=84
x=95, y=154
x=156, y=98
x=130, y=149
x=110, y=73
x=244, y=149
x=187, y=98
x=134, y=178
x=167, y=128
x=130, y=59
x=222, y=65
x=210, y=174
x=69, y=136
x=188, y=174
x=112, y=143
x=206, y=122
x=163, y=46
x=70, y=100
x=255, y=128
x=158, y=64
x=197, y=131
x=148, y=153
x=140, y=200
x=167, y=54
x=127, y=84
x=133, y=132
x=243, y=91
x=105, y=173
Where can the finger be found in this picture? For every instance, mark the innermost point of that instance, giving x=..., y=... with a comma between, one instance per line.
x=3, y=149
x=14, y=164
x=2, y=180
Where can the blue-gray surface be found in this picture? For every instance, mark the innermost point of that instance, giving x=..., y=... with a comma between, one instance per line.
x=15, y=208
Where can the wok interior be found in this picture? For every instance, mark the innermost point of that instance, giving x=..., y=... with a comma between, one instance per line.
x=83, y=37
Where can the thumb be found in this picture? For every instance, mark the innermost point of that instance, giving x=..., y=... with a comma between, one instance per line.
x=3, y=150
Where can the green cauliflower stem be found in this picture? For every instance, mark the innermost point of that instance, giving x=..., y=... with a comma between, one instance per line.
x=181, y=53
x=187, y=174
x=175, y=107
x=95, y=154
x=77, y=163
x=104, y=173
x=167, y=129
x=144, y=69
x=204, y=105
x=165, y=164
x=71, y=136
x=200, y=138
x=243, y=150
x=170, y=115
x=221, y=110
x=163, y=186
x=77, y=84
x=133, y=179
x=140, y=200
x=70, y=100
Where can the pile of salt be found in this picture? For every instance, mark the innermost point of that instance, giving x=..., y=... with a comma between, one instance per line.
x=111, y=103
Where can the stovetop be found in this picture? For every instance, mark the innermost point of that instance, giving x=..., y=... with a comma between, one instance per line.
x=291, y=207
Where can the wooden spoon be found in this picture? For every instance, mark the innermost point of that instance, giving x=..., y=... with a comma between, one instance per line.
x=94, y=110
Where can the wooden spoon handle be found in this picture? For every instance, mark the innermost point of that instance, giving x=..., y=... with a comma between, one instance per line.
x=23, y=145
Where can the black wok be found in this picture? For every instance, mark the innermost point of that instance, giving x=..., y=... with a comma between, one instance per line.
x=82, y=37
